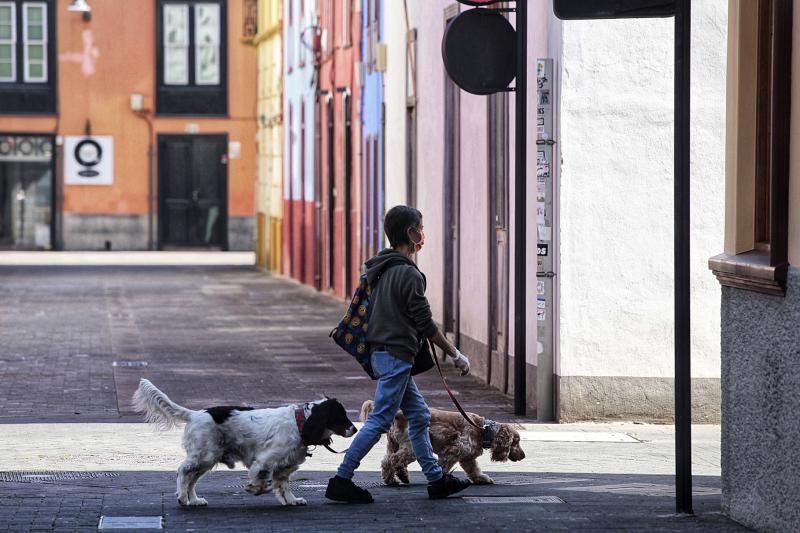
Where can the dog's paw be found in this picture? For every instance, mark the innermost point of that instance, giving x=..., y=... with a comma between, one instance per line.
x=298, y=501
x=404, y=477
x=257, y=490
x=483, y=479
x=390, y=481
x=197, y=502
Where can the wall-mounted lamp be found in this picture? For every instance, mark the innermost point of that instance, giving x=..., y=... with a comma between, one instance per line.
x=137, y=102
x=80, y=6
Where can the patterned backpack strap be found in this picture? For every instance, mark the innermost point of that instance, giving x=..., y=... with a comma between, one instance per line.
x=351, y=332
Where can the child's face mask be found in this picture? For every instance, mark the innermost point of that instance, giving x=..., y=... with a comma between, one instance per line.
x=418, y=244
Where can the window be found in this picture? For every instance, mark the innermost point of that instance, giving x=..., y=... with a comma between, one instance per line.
x=304, y=32
x=207, y=44
x=345, y=34
x=756, y=238
x=192, y=57
x=8, y=42
x=290, y=39
x=330, y=31
x=34, y=29
x=27, y=72
x=368, y=40
x=34, y=42
x=176, y=44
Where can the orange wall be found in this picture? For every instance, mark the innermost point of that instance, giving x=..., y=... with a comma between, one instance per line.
x=122, y=35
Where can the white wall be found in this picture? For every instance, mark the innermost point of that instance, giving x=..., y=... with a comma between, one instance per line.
x=616, y=187
x=395, y=100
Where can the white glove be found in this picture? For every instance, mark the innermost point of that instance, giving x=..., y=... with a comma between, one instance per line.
x=462, y=363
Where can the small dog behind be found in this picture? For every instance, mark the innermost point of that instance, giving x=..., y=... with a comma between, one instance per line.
x=272, y=443
x=453, y=440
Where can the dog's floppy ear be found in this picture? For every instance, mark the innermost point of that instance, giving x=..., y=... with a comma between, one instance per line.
x=315, y=427
x=501, y=445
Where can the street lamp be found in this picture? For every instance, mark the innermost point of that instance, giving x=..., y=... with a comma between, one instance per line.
x=80, y=6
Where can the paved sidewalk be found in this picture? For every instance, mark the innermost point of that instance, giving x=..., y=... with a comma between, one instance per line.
x=147, y=259
x=74, y=341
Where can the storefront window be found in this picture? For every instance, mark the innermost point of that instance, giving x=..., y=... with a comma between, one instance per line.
x=26, y=192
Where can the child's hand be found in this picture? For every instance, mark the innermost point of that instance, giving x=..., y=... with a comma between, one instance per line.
x=462, y=363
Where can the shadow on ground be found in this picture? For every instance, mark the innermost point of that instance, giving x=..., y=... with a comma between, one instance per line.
x=63, y=501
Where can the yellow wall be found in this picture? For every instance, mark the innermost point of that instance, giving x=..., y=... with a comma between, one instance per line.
x=270, y=134
x=122, y=38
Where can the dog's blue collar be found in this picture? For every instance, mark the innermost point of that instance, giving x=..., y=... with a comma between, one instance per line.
x=490, y=428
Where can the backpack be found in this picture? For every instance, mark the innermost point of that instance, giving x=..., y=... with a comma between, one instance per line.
x=351, y=333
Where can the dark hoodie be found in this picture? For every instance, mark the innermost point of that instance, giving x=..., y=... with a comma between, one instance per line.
x=399, y=309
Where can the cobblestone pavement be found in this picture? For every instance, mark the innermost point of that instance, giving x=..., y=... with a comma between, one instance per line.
x=75, y=340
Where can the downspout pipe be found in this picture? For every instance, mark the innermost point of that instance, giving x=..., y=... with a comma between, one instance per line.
x=520, y=103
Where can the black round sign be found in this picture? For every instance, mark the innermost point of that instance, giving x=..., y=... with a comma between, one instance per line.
x=479, y=2
x=479, y=49
x=88, y=153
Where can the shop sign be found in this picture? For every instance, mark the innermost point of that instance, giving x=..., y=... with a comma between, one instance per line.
x=89, y=160
x=24, y=148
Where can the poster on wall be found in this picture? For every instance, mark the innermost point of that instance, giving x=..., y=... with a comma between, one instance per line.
x=89, y=160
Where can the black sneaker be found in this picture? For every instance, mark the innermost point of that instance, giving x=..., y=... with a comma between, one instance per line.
x=344, y=490
x=449, y=484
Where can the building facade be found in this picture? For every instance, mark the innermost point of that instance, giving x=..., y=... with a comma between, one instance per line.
x=758, y=267
x=373, y=184
x=269, y=189
x=599, y=301
x=301, y=253
x=339, y=128
x=124, y=137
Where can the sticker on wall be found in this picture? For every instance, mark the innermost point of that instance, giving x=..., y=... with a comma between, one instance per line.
x=540, y=288
x=540, y=213
x=234, y=149
x=541, y=191
x=89, y=160
x=539, y=348
x=545, y=233
x=544, y=98
x=541, y=249
x=540, y=69
x=542, y=169
x=541, y=316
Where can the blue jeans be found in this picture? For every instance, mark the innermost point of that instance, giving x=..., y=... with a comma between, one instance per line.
x=395, y=390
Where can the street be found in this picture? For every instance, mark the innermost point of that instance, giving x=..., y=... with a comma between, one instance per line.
x=74, y=341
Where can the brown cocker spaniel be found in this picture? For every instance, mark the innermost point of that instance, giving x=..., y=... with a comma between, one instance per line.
x=454, y=441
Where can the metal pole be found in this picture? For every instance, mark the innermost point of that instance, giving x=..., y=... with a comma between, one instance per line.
x=520, y=102
x=150, y=186
x=683, y=411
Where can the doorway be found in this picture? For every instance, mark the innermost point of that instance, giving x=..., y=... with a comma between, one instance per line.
x=26, y=192
x=192, y=191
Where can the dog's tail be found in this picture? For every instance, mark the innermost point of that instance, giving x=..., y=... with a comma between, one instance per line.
x=366, y=409
x=157, y=407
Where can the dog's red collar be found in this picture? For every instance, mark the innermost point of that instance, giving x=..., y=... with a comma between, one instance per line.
x=300, y=418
